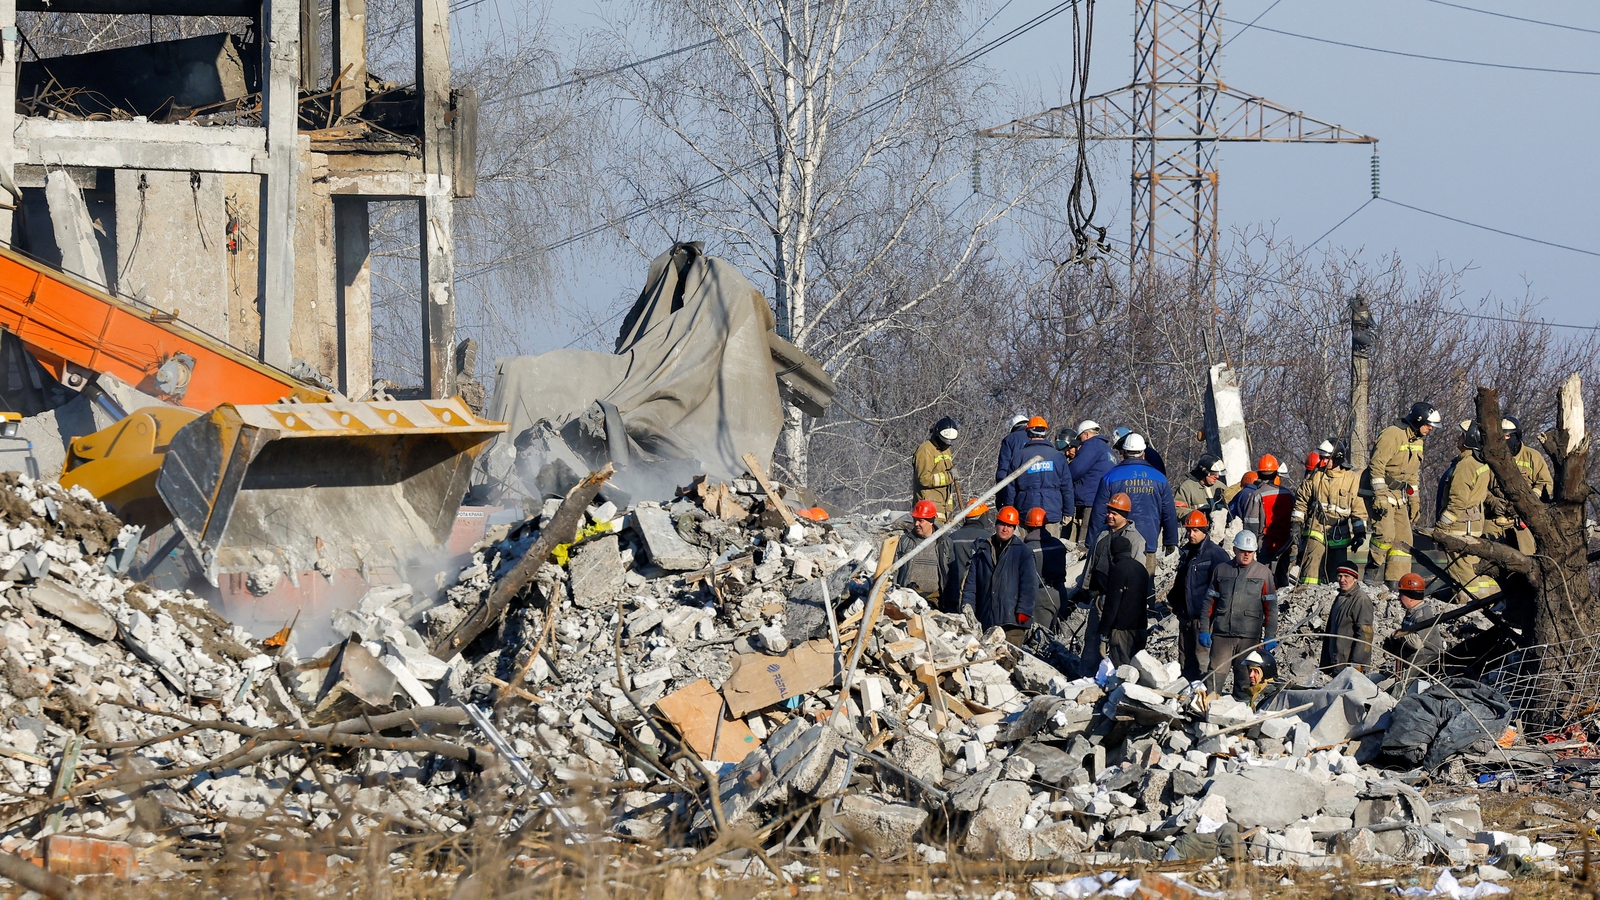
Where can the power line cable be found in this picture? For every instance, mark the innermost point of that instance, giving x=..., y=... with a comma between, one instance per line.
x=1501, y=15
x=1250, y=25
x=1520, y=237
x=1446, y=59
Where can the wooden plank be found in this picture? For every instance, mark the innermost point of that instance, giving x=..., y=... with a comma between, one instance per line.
x=773, y=499
x=700, y=575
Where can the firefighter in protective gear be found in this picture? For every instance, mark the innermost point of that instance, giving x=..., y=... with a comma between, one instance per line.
x=1393, y=472
x=1269, y=514
x=1331, y=517
x=934, y=469
x=1502, y=521
x=1462, y=493
x=1201, y=489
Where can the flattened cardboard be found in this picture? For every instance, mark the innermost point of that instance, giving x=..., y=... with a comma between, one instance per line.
x=694, y=710
x=759, y=681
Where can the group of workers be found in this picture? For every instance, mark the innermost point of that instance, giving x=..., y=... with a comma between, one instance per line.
x=1112, y=496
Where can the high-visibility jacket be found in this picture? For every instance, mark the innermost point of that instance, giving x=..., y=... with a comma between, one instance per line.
x=1327, y=499
x=1268, y=513
x=1462, y=506
x=934, y=477
x=1394, y=466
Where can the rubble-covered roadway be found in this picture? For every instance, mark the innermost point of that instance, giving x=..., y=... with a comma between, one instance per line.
x=665, y=695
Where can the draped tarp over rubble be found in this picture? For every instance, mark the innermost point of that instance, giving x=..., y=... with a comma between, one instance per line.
x=693, y=386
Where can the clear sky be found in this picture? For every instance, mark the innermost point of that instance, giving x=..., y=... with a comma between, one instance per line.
x=1500, y=147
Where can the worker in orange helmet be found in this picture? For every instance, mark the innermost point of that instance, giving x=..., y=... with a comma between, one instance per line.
x=1187, y=599
x=1418, y=646
x=1050, y=561
x=1001, y=583
x=1097, y=573
x=975, y=528
x=1268, y=514
x=928, y=572
x=1047, y=482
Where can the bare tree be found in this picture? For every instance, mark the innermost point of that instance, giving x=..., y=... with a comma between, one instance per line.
x=835, y=132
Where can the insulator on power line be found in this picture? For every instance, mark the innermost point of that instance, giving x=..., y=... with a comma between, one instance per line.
x=1375, y=172
x=977, y=171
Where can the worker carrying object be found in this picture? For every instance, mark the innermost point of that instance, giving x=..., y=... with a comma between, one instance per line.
x=1241, y=615
x=933, y=475
x=1001, y=583
x=1047, y=483
x=1394, y=470
x=1330, y=518
x=1462, y=494
x=1151, y=499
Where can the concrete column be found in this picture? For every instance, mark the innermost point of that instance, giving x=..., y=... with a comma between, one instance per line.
x=281, y=23
x=8, y=113
x=350, y=54
x=438, y=163
x=352, y=254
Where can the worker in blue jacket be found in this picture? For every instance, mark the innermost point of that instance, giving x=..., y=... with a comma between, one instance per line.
x=1153, y=509
x=1047, y=484
x=1090, y=464
x=1009, y=459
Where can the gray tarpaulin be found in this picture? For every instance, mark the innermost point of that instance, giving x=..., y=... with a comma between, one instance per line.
x=692, y=386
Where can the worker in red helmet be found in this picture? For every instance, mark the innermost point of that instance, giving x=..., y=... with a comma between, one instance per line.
x=1418, y=646
x=1001, y=583
x=1050, y=561
x=1187, y=599
x=928, y=572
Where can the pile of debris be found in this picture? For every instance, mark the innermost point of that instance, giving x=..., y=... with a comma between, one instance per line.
x=723, y=664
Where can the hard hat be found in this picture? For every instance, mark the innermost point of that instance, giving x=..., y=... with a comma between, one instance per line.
x=925, y=510
x=1412, y=583
x=1120, y=502
x=1325, y=448
x=1245, y=540
x=1088, y=425
x=814, y=514
x=1313, y=460
x=1341, y=454
x=1218, y=467
x=1512, y=426
x=1471, y=436
x=1037, y=425
x=1268, y=465
x=1018, y=420
x=1008, y=516
x=1249, y=477
x=1254, y=658
x=1510, y=423
x=1122, y=432
x=1035, y=518
x=1197, y=519
x=1133, y=443
x=976, y=510
x=1423, y=413
x=947, y=428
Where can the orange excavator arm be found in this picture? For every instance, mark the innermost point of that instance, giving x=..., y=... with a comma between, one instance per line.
x=67, y=324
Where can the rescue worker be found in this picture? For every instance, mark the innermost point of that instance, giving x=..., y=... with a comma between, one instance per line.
x=1050, y=561
x=1313, y=465
x=1419, y=644
x=1269, y=513
x=1462, y=493
x=1393, y=470
x=978, y=524
x=1124, y=617
x=1150, y=455
x=928, y=573
x=1331, y=517
x=1201, y=489
x=1097, y=570
x=1258, y=675
x=1009, y=460
x=1238, y=495
x=1348, y=641
x=1068, y=444
x=1046, y=484
x=1091, y=463
x=1153, y=511
x=1187, y=599
x=1241, y=614
x=1503, y=523
x=933, y=475
x=1001, y=583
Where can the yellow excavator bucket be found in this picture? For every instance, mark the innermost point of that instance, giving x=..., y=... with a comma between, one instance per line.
x=337, y=485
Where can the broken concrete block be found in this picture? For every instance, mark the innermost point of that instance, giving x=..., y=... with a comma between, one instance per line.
x=967, y=794
x=1033, y=674
x=69, y=605
x=882, y=829
x=920, y=757
x=1268, y=797
x=595, y=573
x=1052, y=765
x=1152, y=671
x=1001, y=810
x=664, y=545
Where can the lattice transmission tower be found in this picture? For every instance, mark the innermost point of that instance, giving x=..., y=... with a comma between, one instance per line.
x=1175, y=113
